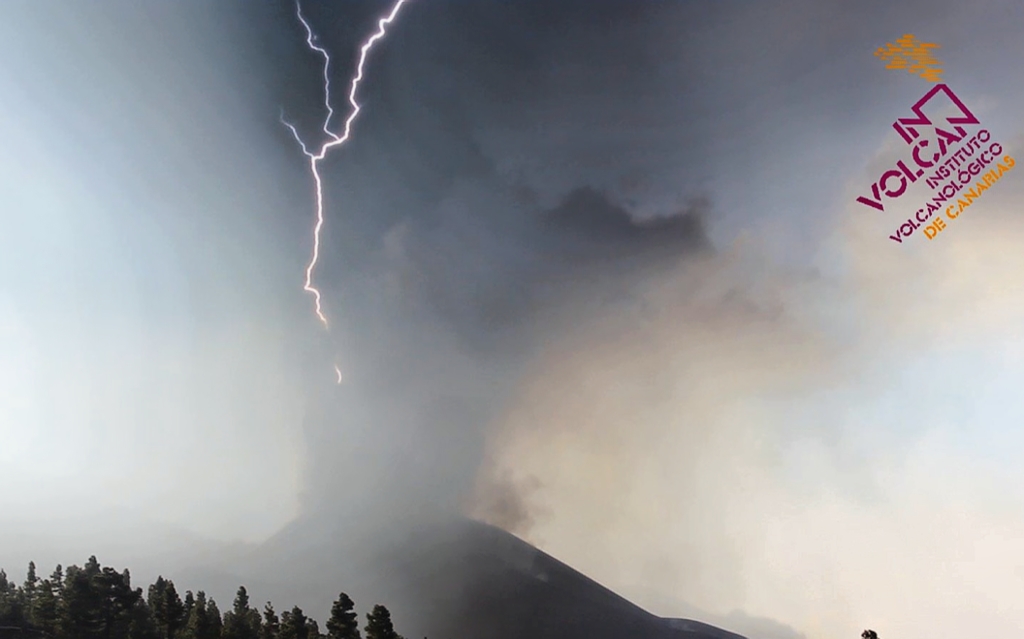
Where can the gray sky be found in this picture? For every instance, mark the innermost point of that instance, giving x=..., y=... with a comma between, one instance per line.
x=758, y=404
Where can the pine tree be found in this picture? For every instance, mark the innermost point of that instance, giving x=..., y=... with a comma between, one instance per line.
x=57, y=586
x=271, y=624
x=195, y=620
x=45, y=611
x=312, y=629
x=81, y=614
x=241, y=603
x=379, y=625
x=254, y=623
x=216, y=622
x=156, y=598
x=293, y=624
x=143, y=623
x=174, y=611
x=239, y=622
x=116, y=600
x=204, y=619
x=92, y=567
x=187, y=606
x=57, y=580
x=12, y=610
x=344, y=622
x=166, y=607
x=29, y=589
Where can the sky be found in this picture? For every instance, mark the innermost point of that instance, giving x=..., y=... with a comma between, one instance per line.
x=595, y=274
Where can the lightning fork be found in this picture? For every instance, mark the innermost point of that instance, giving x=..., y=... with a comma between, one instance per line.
x=335, y=140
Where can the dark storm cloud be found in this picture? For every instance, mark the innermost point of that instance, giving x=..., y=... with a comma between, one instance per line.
x=456, y=307
x=444, y=269
x=486, y=205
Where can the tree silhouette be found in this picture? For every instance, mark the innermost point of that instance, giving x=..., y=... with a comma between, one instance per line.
x=242, y=622
x=344, y=622
x=98, y=602
x=271, y=624
x=293, y=624
x=379, y=625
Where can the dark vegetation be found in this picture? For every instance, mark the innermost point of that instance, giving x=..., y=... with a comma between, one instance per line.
x=94, y=602
x=450, y=579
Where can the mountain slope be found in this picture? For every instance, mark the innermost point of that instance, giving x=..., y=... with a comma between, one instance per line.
x=454, y=579
x=493, y=585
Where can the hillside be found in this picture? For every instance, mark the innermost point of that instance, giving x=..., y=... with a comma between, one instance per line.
x=459, y=578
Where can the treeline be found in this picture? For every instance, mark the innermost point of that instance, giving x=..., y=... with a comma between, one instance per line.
x=94, y=602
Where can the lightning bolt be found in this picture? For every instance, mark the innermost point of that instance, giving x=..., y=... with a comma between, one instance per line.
x=334, y=139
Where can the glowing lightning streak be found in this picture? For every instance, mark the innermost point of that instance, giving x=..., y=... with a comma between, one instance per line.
x=314, y=158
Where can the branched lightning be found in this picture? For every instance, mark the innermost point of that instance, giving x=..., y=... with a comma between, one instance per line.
x=334, y=139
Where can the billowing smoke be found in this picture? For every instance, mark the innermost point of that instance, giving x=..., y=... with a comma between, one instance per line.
x=506, y=502
x=460, y=309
